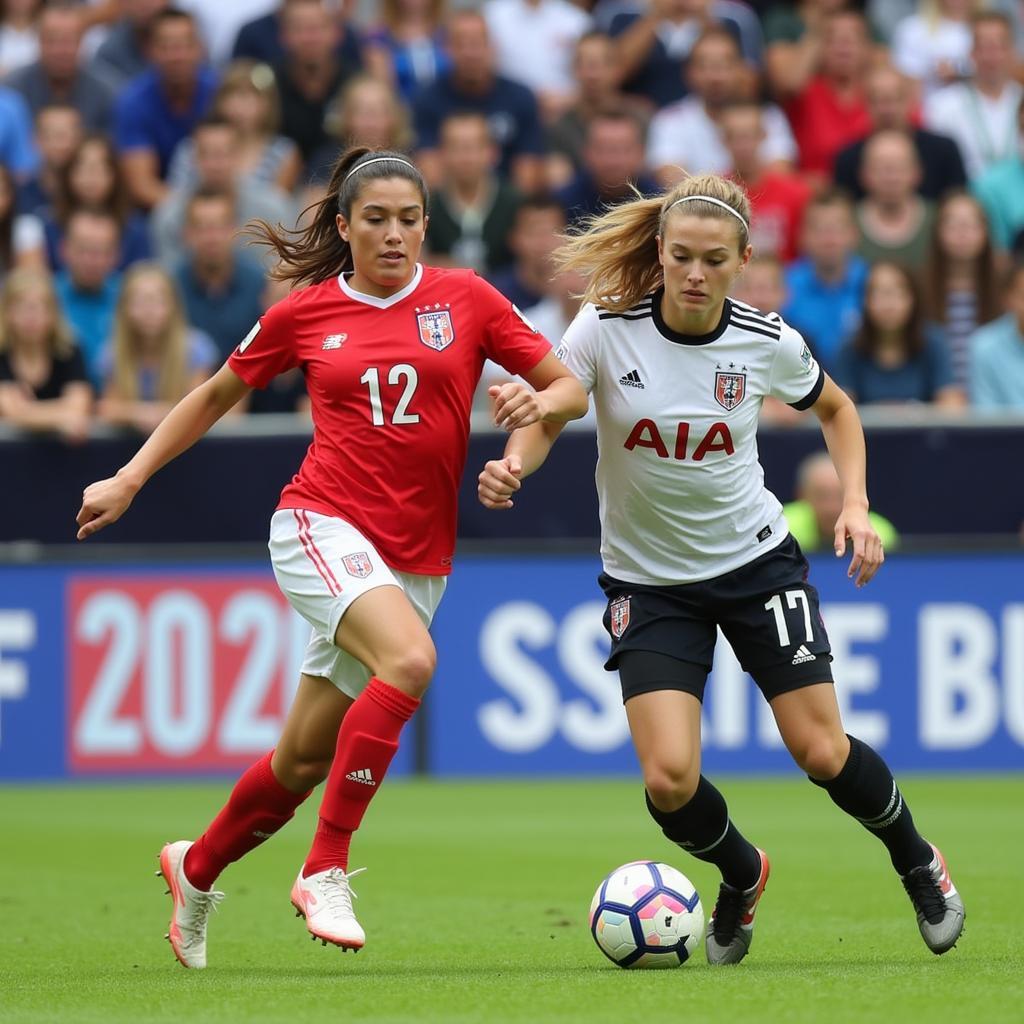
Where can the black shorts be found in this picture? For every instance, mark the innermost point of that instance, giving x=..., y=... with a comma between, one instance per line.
x=767, y=610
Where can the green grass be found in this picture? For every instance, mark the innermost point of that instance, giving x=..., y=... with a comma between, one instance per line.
x=475, y=906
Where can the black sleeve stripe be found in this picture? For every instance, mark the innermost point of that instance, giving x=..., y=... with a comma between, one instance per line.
x=625, y=316
x=812, y=396
x=742, y=325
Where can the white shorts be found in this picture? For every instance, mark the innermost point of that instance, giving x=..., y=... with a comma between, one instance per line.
x=322, y=565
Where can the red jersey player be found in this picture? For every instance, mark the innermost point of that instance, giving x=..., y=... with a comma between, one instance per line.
x=362, y=539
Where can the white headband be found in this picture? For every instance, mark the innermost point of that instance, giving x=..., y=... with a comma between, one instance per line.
x=379, y=160
x=717, y=202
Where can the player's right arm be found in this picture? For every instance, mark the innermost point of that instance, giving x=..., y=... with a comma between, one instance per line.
x=105, y=501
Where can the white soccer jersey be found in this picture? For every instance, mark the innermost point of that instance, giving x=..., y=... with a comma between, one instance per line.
x=681, y=490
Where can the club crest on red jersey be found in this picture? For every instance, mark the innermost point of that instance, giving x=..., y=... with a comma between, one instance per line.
x=358, y=565
x=730, y=389
x=619, y=613
x=435, y=326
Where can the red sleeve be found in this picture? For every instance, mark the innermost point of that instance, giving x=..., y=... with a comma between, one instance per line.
x=509, y=338
x=268, y=349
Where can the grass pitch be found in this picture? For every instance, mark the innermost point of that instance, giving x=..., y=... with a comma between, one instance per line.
x=475, y=909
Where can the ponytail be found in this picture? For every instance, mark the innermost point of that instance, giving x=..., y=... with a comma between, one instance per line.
x=618, y=249
x=317, y=252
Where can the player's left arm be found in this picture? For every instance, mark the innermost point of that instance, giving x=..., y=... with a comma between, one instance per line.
x=557, y=396
x=844, y=436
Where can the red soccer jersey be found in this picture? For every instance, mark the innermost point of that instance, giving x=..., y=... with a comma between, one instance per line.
x=823, y=124
x=391, y=382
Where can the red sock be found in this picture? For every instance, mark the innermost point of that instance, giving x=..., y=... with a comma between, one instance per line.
x=367, y=742
x=258, y=806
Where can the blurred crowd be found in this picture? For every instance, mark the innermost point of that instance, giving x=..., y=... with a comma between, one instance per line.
x=882, y=144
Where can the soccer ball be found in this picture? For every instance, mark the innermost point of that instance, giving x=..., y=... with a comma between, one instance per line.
x=647, y=914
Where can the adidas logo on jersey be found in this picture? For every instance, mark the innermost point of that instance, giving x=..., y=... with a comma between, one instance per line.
x=632, y=380
x=802, y=655
x=362, y=775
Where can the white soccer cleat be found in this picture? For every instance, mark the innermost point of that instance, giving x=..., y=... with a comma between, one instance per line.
x=192, y=906
x=325, y=901
x=940, y=910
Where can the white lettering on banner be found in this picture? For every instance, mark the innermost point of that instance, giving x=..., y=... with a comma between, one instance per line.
x=99, y=729
x=17, y=632
x=1013, y=670
x=958, y=692
x=531, y=725
x=582, y=651
x=858, y=673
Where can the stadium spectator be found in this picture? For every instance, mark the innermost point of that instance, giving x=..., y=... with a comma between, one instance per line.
x=261, y=40
x=58, y=77
x=310, y=73
x=777, y=195
x=247, y=97
x=595, y=76
x=895, y=223
x=16, y=145
x=534, y=42
x=997, y=354
x=154, y=358
x=221, y=288
x=980, y=113
x=22, y=242
x=58, y=133
x=162, y=106
x=367, y=112
x=933, y=45
x=43, y=381
x=655, y=42
x=826, y=284
x=406, y=49
x=539, y=223
x=894, y=358
x=794, y=34
x=613, y=166
x=473, y=84
x=217, y=147
x=813, y=514
x=92, y=180
x=828, y=111
x=890, y=100
x=473, y=212
x=220, y=23
x=961, y=277
x=686, y=137
x=89, y=283
x=122, y=54
x=1000, y=188
x=19, y=34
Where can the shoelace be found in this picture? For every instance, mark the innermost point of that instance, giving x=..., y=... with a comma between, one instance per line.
x=731, y=906
x=338, y=891
x=199, y=907
x=924, y=892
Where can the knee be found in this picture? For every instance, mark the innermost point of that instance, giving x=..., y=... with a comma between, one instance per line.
x=822, y=756
x=671, y=784
x=411, y=669
x=301, y=773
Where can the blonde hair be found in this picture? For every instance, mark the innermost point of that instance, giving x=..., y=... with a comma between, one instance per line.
x=173, y=377
x=618, y=249
x=339, y=115
x=20, y=281
x=251, y=76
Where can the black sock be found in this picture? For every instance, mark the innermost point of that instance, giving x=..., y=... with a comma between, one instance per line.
x=866, y=790
x=702, y=828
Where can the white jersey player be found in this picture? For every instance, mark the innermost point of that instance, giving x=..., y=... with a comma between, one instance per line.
x=693, y=542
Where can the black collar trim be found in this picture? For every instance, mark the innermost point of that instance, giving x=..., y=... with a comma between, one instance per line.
x=688, y=339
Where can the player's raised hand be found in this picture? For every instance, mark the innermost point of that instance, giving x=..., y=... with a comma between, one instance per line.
x=868, y=555
x=516, y=405
x=103, y=503
x=499, y=481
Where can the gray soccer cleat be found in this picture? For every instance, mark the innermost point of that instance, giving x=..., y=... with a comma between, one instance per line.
x=731, y=928
x=940, y=910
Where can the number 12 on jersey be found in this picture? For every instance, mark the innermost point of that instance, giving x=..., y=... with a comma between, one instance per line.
x=398, y=373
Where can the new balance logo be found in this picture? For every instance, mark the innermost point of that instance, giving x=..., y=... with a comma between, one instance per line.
x=632, y=380
x=362, y=775
x=334, y=341
x=802, y=655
